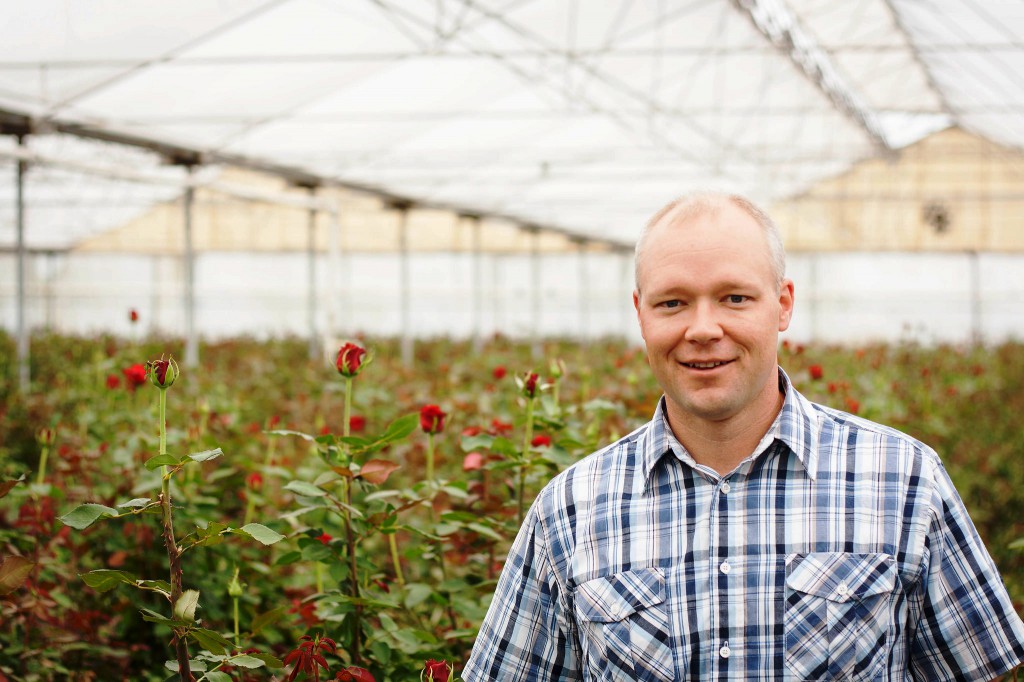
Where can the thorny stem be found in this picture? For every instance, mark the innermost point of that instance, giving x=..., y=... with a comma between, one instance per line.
x=237, y=637
x=430, y=456
x=393, y=543
x=173, y=553
x=353, y=574
x=527, y=438
x=346, y=427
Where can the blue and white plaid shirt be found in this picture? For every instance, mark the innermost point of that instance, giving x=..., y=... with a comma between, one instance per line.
x=838, y=550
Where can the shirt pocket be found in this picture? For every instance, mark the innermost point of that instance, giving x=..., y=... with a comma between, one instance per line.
x=838, y=614
x=624, y=626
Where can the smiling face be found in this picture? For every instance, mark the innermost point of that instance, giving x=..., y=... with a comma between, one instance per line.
x=710, y=311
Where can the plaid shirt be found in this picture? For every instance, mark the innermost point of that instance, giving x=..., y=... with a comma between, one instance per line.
x=838, y=550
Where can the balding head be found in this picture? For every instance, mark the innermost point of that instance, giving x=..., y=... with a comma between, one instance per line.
x=692, y=206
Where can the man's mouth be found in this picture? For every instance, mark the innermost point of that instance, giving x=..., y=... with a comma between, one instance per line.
x=706, y=365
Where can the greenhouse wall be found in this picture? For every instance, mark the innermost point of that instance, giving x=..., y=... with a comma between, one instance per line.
x=845, y=298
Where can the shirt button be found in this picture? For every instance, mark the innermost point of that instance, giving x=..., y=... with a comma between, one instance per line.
x=726, y=488
x=724, y=651
x=725, y=567
x=842, y=589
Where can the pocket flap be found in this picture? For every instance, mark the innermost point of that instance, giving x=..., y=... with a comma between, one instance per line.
x=614, y=597
x=841, y=577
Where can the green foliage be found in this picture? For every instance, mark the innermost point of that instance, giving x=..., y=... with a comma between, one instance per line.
x=344, y=535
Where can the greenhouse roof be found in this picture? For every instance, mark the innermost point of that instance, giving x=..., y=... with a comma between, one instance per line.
x=584, y=117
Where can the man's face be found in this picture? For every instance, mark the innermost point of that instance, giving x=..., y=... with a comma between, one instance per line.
x=710, y=312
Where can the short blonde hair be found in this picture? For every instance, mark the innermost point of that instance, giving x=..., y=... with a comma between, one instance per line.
x=693, y=205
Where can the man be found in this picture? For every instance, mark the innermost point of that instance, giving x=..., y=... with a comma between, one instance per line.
x=744, y=533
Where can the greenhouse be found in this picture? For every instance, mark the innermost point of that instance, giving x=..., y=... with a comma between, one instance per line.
x=455, y=187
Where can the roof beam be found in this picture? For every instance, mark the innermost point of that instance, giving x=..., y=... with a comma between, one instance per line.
x=774, y=20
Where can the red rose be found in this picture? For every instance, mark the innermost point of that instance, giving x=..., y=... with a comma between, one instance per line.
x=357, y=423
x=325, y=538
x=254, y=480
x=432, y=419
x=350, y=359
x=499, y=372
x=113, y=381
x=354, y=674
x=472, y=461
x=499, y=427
x=134, y=376
x=852, y=405
x=471, y=431
x=436, y=671
x=541, y=440
x=133, y=315
x=816, y=372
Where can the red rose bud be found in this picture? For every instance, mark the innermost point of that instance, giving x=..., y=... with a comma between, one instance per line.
x=133, y=315
x=354, y=674
x=163, y=373
x=432, y=419
x=357, y=423
x=499, y=372
x=436, y=671
x=134, y=376
x=46, y=436
x=541, y=440
x=529, y=384
x=471, y=431
x=350, y=359
x=472, y=461
x=254, y=480
x=816, y=372
x=325, y=538
x=113, y=381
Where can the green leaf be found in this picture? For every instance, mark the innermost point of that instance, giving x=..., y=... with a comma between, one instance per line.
x=400, y=428
x=206, y=455
x=154, y=617
x=246, y=661
x=260, y=533
x=212, y=641
x=185, y=607
x=480, y=442
x=316, y=552
x=288, y=558
x=104, y=580
x=485, y=531
x=161, y=460
x=285, y=432
x=266, y=619
x=416, y=594
x=14, y=570
x=83, y=516
x=270, y=660
x=217, y=676
x=137, y=503
x=194, y=665
x=305, y=489
x=160, y=585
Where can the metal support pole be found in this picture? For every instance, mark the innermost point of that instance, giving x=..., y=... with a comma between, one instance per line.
x=191, y=342
x=22, y=343
x=478, y=289
x=404, y=289
x=311, y=303
x=977, y=335
x=584, y=291
x=536, y=347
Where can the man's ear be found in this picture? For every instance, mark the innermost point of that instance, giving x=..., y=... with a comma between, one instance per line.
x=785, y=304
x=639, y=317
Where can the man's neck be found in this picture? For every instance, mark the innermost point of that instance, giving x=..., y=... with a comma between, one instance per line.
x=722, y=445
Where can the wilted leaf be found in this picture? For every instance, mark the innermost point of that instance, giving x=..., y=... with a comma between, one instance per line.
x=85, y=515
x=206, y=455
x=376, y=471
x=305, y=489
x=260, y=533
x=103, y=580
x=185, y=607
x=14, y=570
x=6, y=486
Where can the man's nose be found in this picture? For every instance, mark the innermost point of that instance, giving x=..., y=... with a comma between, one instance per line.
x=704, y=325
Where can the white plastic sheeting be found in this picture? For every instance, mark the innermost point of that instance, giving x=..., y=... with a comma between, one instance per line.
x=579, y=115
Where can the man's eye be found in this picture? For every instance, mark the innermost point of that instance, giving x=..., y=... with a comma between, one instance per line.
x=736, y=298
x=670, y=304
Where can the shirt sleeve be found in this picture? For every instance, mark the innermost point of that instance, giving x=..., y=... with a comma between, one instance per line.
x=967, y=628
x=525, y=634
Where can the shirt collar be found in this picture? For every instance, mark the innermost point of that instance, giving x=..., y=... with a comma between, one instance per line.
x=796, y=426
